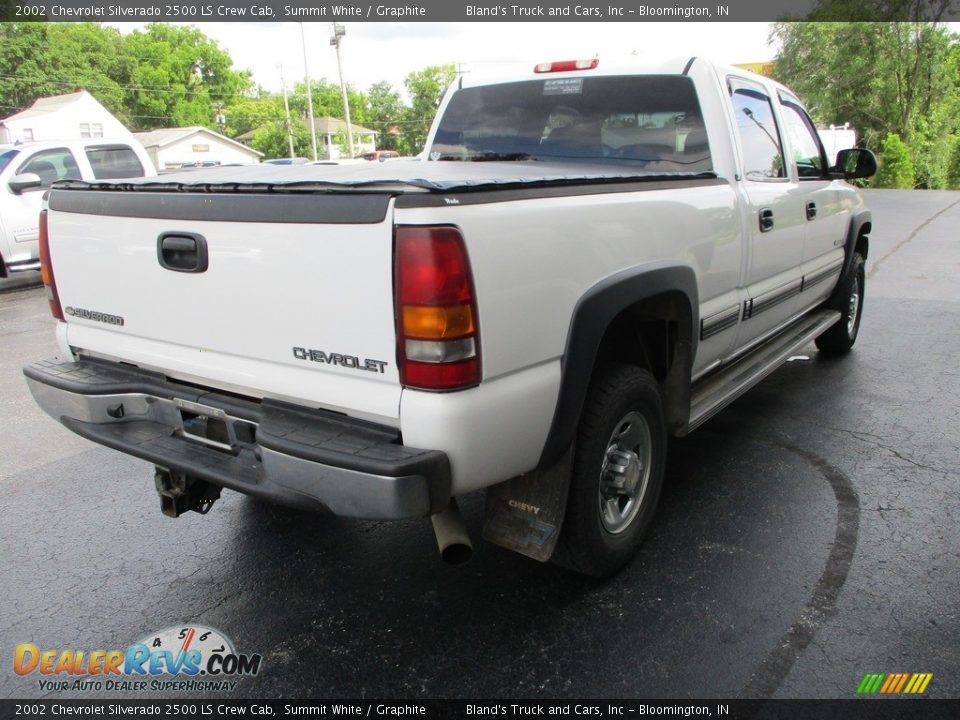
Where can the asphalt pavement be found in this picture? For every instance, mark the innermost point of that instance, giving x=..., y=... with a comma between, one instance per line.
x=807, y=536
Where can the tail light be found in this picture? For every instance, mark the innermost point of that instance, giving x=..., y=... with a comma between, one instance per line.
x=438, y=336
x=46, y=269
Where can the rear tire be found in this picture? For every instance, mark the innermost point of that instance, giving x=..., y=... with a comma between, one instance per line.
x=848, y=299
x=618, y=467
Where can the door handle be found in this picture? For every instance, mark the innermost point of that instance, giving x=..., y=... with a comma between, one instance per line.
x=811, y=210
x=182, y=252
x=766, y=220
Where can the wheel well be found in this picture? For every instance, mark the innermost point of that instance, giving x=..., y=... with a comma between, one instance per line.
x=3, y=267
x=862, y=245
x=655, y=334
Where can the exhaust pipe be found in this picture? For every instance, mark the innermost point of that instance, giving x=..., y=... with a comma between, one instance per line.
x=452, y=538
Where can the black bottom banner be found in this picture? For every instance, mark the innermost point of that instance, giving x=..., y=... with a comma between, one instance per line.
x=928, y=709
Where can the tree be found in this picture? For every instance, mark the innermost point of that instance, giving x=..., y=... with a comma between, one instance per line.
x=426, y=89
x=385, y=113
x=161, y=76
x=953, y=168
x=271, y=140
x=177, y=77
x=896, y=167
x=883, y=78
x=43, y=59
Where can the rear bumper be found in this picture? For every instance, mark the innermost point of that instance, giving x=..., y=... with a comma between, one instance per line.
x=287, y=454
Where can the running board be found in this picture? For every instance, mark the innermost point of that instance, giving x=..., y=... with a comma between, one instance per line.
x=24, y=266
x=725, y=386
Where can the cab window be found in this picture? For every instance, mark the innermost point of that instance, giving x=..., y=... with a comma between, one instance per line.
x=808, y=153
x=51, y=165
x=759, y=135
x=113, y=162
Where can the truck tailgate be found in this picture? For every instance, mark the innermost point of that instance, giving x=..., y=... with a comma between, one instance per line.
x=295, y=301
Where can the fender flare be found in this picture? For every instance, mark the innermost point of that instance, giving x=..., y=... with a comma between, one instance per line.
x=858, y=221
x=592, y=315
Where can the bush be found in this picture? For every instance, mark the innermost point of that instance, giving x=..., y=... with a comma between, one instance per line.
x=896, y=167
x=953, y=165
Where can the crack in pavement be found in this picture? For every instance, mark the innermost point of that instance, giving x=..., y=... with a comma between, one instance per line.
x=910, y=237
x=770, y=674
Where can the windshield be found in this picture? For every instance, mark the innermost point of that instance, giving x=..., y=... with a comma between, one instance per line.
x=6, y=156
x=649, y=123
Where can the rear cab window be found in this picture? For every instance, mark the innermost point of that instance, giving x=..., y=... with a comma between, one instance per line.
x=650, y=123
x=760, y=141
x=114, y=162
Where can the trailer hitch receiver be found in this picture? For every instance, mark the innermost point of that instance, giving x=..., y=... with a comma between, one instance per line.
x=180, y=492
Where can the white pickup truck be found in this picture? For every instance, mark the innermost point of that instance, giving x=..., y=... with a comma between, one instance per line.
x=27, y=170
x=586, y=261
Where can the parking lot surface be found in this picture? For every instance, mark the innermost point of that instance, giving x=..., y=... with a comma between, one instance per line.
x=807, y=535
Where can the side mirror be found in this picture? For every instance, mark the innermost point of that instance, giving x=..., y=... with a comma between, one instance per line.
x=854, y=163
x=25, y=181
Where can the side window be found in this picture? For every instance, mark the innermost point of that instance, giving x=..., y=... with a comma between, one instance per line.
x=762, y=152
x=113, y=162
x=808, y=151
x=52, y=165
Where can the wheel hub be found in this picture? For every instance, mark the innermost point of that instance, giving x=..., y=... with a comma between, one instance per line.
x=625, y=473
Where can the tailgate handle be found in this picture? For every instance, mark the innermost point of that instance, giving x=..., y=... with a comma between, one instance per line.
x=182, y=252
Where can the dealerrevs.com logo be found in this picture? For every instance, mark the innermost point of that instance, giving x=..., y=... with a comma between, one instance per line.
x=181, y=659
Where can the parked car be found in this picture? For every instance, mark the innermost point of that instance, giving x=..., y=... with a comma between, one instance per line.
x=380, y=155
x=27, y=170
x=287, y=161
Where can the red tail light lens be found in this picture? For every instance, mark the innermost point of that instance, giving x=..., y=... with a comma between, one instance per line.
x=46, y=269
x=438, y=336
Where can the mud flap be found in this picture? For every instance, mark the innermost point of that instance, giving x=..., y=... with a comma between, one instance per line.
x=525, y=514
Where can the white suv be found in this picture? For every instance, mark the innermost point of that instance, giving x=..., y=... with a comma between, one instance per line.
x=27, y=170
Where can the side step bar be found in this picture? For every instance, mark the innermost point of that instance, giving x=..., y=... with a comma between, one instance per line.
x=24, y=266
x=722, y=388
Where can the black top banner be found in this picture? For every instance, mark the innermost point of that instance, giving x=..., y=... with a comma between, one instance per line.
x=197, y=11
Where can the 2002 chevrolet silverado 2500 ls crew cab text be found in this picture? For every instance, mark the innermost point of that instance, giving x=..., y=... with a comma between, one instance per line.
x=585, y=262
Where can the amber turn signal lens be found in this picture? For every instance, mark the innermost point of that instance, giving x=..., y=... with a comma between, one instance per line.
x=436, y=323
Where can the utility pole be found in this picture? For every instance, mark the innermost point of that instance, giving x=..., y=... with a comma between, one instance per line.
x=306, y=76
x=286, y=111
x=338, y=32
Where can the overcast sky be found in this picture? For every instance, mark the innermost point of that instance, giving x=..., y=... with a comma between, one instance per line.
x=388, y=51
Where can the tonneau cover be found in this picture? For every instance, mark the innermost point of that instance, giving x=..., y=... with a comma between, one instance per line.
x=397, y=176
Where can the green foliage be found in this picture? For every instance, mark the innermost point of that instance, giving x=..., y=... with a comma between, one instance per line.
x=39, y=59
x=896, y=167
x=426, y=89
x=884, y=78
x=953, y=164
x=384, y=113
x=166, y=76
x=178, y=76
x=271, y=140
x=161, y=76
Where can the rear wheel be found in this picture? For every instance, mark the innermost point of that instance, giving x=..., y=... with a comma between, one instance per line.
x=618, y=470
x=848, y=299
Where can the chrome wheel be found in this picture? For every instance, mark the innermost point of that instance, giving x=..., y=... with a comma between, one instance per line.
x=625, y=474
x=853, y=307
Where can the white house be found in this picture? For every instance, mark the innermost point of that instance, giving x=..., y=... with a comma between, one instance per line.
x=331, y=131
x=175, y=147
x=76, y=116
